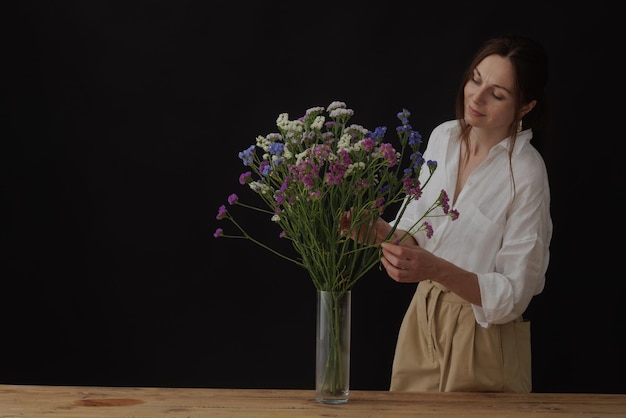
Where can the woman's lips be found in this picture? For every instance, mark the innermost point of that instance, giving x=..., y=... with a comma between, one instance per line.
x=473, y=112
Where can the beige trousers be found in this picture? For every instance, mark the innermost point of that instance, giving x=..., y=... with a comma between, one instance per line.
x=442, y=348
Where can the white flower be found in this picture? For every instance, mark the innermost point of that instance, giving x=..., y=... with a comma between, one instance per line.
x=341, y=112
x=344, y=141
x=354, y=167
x=318, y=123
x=335, y=105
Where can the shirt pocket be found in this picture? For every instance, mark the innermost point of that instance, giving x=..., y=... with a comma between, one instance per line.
x=479, y=233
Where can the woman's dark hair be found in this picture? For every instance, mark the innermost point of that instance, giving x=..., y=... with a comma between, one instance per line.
x=530, y=66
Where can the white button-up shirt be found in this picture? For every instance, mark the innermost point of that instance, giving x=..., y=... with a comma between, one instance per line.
x=504, y=227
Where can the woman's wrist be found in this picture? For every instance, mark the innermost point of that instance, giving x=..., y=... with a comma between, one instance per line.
x=383, y=228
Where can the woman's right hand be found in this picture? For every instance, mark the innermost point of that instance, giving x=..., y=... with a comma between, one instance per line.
x=368, y=233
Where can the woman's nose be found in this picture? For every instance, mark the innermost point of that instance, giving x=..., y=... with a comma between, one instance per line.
x=479, y=95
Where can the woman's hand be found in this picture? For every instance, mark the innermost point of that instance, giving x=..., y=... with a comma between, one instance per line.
x=408, y=263
x=374, y=233
x=367, y=232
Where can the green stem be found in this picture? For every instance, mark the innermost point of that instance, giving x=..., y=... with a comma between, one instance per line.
x=334, y=322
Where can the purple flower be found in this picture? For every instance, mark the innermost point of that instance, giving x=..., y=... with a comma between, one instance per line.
x=276, y=148
x=264, y=168
x=444, y=201
x=338, y=168
x=417, y=160
x=243, y=178
x=368, y=144
x=232, y=199
x=247, y=156
x=415, y=138
x=404, y=116
x=221, y=212
x=378, y=133
x=432, y=166
x=218, y=232
x=429, y=229
x=389, y=154
x=412, y=187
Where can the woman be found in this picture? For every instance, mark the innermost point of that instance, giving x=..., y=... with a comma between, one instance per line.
x=464, y=330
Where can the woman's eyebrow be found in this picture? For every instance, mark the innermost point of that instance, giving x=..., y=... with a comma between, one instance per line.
x=494, y=85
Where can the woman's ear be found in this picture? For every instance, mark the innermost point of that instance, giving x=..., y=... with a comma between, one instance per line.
x=527, y=108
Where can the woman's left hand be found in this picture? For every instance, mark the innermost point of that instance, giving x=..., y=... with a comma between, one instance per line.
x=408, y=264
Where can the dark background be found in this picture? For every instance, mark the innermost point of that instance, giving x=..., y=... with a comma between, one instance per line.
x=121, y=124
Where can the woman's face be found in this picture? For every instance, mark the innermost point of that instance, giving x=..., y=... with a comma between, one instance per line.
x=489, y=95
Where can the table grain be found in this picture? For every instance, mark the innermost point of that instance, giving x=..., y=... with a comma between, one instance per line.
x=34, y=401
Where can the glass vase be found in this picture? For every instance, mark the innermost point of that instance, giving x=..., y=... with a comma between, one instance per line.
x=332, y=355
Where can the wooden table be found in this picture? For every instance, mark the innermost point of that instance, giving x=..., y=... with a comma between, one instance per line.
x=134, y=402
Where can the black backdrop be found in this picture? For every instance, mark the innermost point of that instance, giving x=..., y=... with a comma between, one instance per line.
x=121, y=127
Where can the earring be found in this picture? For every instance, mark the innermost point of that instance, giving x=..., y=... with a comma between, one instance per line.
x=519, y=126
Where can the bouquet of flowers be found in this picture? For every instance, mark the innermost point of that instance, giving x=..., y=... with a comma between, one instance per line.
x=317, y=169
x=325, y=183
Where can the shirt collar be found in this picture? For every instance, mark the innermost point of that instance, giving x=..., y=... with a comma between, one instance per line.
x=522, y=139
